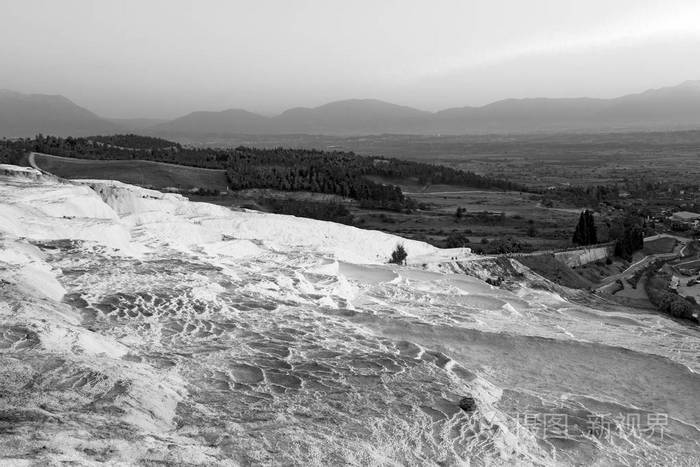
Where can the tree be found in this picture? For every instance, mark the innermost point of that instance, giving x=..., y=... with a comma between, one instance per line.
x=585, y=233
x=398, y=256
x=456, y=240
x=632, y=240
x=531, y=229
x=507, y=245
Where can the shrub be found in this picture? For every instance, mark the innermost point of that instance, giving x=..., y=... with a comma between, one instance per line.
x=204, y=191
x=456, y=240
x=386, y=219
x=321, y=210
x=398, y=256
x=629, y=240
x=668, y=302
x=501, y=246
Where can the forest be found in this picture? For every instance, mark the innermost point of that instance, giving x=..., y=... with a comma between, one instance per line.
x=132, y=141
x=345, y=174
x=589, y=196
x=121, y=147
x=339, y=174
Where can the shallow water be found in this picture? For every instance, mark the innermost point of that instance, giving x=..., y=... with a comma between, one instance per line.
x=277, y=367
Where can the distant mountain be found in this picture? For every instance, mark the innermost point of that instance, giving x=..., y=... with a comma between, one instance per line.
x=343, y=117
x=355, y=116
x=137, y=124
x=665, y=108
x=207, y=123
x=29, y=114
x=670, y=108
x=518, y=115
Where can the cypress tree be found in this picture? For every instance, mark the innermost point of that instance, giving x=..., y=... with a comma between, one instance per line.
x=592, y=237
x=585, y=232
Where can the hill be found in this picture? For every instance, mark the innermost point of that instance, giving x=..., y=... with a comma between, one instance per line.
x=224, y=122
x=670, y=108
x=28, y=114
x=137, y=124
x=355, y=116
x=664, y=109
x=336, y=173
x=128, y=314
x=519, y=116
x=159, y=175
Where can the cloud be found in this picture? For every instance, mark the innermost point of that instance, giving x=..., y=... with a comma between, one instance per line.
x=634, y=29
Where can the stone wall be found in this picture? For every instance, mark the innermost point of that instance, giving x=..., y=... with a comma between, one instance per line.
x=575, y=258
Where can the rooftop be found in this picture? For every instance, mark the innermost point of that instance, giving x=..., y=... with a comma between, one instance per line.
x=686, y=215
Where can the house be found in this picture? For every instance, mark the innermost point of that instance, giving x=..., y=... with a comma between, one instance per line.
x=684, y=220
x=685, y=216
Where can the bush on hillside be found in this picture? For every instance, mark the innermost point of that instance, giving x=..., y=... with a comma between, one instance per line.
x=666, y=301
x=456, y=240
x=507, y=245
x=398, y=256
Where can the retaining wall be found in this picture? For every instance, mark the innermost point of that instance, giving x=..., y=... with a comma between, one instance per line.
x=575, y=258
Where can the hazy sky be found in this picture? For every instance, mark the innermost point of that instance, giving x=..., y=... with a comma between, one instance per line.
x=149, y=58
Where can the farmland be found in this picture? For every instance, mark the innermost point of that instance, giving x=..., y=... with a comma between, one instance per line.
x=137, y=172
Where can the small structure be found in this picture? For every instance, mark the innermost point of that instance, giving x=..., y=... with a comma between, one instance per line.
x=685, y=216
x=675, y=282
x=684, y=220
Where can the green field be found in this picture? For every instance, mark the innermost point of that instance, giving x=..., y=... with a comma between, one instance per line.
x=660, y=245
x=522, y=218
x=136, y=172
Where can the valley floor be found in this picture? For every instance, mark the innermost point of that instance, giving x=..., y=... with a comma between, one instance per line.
x=488, y=215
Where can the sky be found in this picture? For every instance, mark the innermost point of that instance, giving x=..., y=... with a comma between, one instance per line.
x=163, y=59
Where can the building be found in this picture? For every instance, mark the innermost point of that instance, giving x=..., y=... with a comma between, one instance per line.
x=685, y=216
x=684, y=220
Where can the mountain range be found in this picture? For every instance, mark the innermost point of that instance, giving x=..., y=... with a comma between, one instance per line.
x=669, y=108
x=29, y=114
